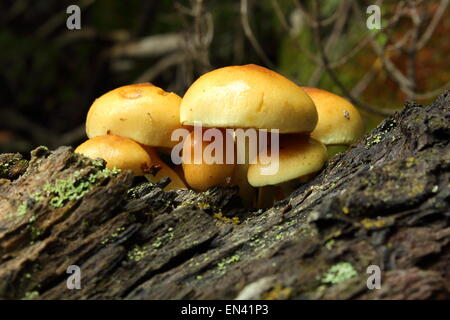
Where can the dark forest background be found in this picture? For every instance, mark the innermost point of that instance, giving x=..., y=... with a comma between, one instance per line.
x=50, y=76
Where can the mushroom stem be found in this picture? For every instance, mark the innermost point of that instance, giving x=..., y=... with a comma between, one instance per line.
x=199, y=174
x=176, y=183
x=333, y=150
x=246, y=191
x=266, y=196
x=286, y=188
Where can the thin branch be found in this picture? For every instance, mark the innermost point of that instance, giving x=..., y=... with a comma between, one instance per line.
x=305, y=13
x=433, y=24
x=432, y=93
x=72, y=136
x=364, y=41
x=280, y=15
x=58, y=19
x=251, y=37
x=288, y=29
x=338, y=26
x=152, y=46
x=411, y=53
x=163, y=64
x=332, y=40
x=364, y=82
x=330, y=71
x=399, y=44
x=395, y=74
x=327, y=21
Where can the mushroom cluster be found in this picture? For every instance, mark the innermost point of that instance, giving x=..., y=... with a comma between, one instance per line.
x=131, y=125
x=251, y=96
x=127, y=125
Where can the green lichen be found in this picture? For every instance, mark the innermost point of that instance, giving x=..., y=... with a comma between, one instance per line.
x=41, y=149
x=30, y=295
x=22, y=209
x=112, y=236
x=35, y=233
x=227, y=261
x=161, y=240
x=410, y=161
x=374, y=139
x=137, y=253
x=37, y=196
x=219, y=216
x=333, y=234
x=329, y=244
x=4, y=167
x=338, y=273
x=75, y=187
x=98, y=163
x=11, y=167
x=203, y=205
x=258, y=212
x=376, y=223
x=278, y=293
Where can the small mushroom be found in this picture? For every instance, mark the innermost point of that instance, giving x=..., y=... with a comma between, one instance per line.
x=339, y=121
x=118, y=152
x=141, y=112
x=300, y=156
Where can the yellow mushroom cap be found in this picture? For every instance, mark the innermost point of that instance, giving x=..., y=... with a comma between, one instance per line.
x=248, y=96
x=142, y=112
x=118, y=152
x=299, y=155
x=202, y=176
x=339, y=121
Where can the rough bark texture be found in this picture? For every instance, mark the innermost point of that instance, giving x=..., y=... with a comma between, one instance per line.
x=383, y=202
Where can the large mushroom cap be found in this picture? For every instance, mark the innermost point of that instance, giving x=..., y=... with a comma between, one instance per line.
x=339, y=121
x=118, y=152
x=299, y=156
x=142, y=112
x=248, y=96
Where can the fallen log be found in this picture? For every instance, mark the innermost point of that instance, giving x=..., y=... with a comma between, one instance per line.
x=385, y=202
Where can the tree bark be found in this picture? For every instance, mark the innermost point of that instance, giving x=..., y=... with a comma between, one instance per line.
x=384, y=202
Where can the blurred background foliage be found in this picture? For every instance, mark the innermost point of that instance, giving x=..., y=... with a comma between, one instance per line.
x=51, y=75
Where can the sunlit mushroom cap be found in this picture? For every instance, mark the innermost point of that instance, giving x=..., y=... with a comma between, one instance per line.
x=339, y=121
x=248, y=96
x=142, y=112
x=299, y=155
x=118, y=152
